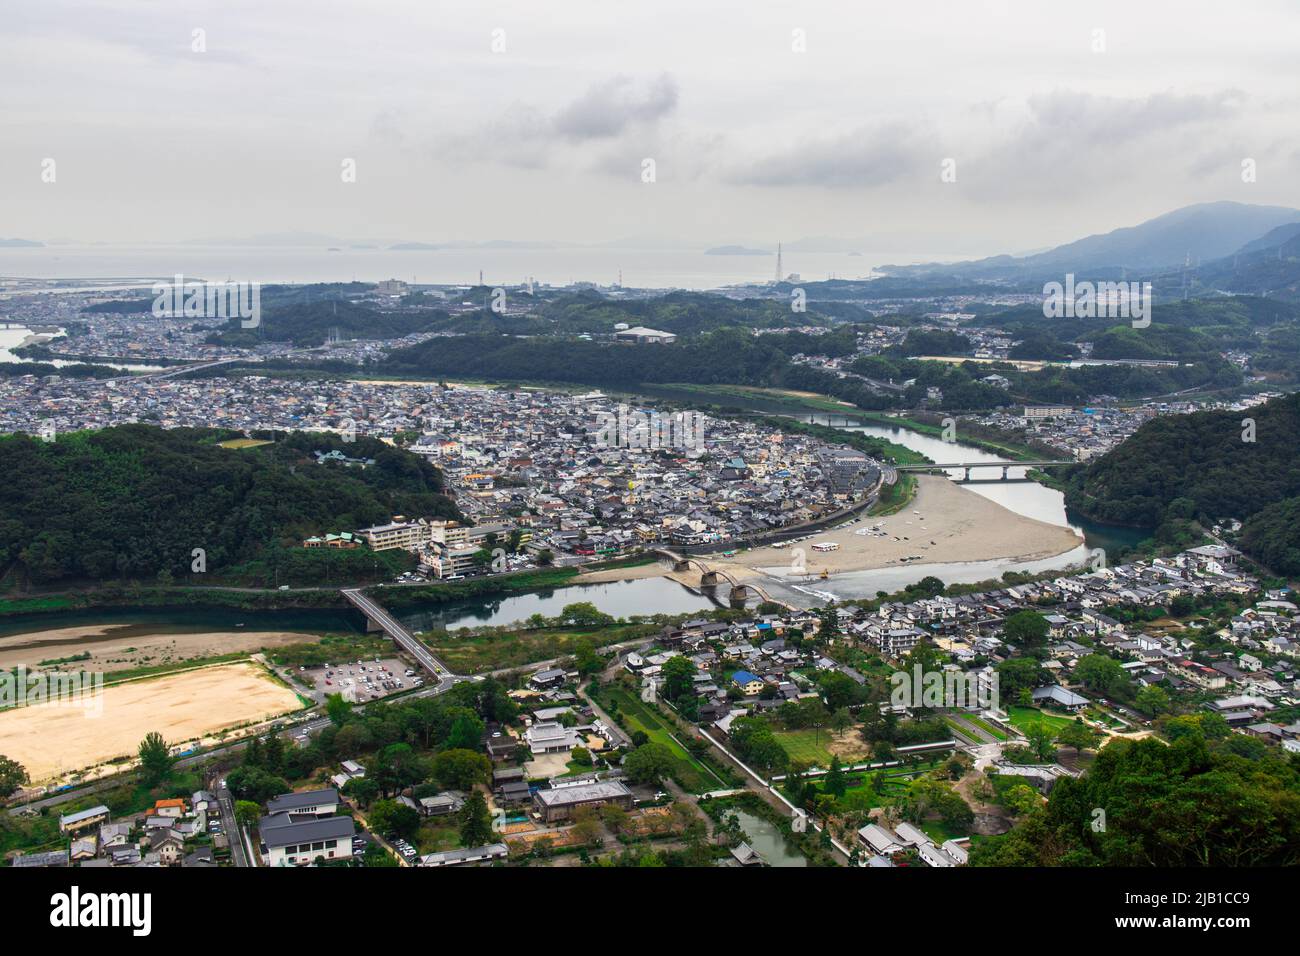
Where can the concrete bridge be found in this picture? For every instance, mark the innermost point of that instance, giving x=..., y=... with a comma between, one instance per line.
x=967, y=466
x=380, y=620
x=175, y=370
x=711, y=577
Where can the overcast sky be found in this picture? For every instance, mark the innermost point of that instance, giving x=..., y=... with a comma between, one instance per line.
x=752, y=141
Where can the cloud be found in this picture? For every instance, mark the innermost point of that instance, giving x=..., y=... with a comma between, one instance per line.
x=1067, y=141
x=620, y=111
x=610, y=108
x=865, y=157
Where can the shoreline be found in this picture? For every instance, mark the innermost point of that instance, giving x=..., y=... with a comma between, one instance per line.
x=943, y=524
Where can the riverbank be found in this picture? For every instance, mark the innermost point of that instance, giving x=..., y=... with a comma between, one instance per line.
x=117, y=647
x=944, y=524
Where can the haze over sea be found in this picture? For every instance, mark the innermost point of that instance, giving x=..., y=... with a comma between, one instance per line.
x=641, y=268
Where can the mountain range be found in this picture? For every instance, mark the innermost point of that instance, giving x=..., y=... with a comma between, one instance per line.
x=1192, y=234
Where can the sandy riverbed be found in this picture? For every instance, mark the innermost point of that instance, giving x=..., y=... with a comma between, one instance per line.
x=52, y=739
x=115, y=647
x=944, y=523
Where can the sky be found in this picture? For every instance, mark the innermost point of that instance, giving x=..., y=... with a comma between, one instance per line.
x=823, y=124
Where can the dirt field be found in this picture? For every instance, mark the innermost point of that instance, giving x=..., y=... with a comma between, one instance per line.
x=944, y=523
x=115, y=647
x=51, y=741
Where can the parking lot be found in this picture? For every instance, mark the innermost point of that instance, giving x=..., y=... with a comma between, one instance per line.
x=363, y=680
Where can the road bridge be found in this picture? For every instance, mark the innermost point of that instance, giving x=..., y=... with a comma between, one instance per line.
x=381, y=620
x=968, y=466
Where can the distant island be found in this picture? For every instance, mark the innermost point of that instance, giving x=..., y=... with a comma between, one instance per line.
x=735, y=251
x=20, y=244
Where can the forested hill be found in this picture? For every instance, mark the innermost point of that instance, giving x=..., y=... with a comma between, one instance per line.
x=133, y=502
x=1199, y=467
x=726, y=356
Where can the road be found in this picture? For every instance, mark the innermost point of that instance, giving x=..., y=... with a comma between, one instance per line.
x=400, y=635
x=240, y=854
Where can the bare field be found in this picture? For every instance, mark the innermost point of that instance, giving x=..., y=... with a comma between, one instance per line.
x=115, y=647
x=50, y=740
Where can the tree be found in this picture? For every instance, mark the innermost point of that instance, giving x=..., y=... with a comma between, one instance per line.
x=649, y=763
x=156, y=759
x=1039, y=735
x=1077, y=735
x=841, y=720
x=614, y=817
x=836, y=784
x=461, y=769
x=255, y=784
x=679, y=677
x=466, y=732
x=586, y=614
x=586, y=825
x=1017, y=674
x=475, y=821
x=247, y=813
x=1102, y=674
x=586, y=659
x=337, y=709
x=1026, y=629
x=395, y=819
x=397, y=767
x=363, y=790
x=12, y=776
x=377, y=856
x=1152, y=700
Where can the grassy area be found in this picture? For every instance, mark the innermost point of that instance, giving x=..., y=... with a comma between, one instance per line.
x=961, y=732
x=243, y=443
x=436, y=836
x=1023, y=717
x=633, y=715
x=894, y=498
x=495, y=650
x=985, y=726
x=812, y=747
x=55, y=602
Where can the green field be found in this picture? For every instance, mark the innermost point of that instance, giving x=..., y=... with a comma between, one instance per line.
x=961, y=732
x=985, y=726
x=633, y=715
x=1022, y=717
x=810, y=746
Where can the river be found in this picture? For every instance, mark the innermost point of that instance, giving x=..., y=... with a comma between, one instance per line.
x=11, y=338
x=656, y=595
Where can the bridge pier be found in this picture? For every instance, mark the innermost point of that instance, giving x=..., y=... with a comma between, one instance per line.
x=1006, y=470
x=740, y=593
x=967, y=478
